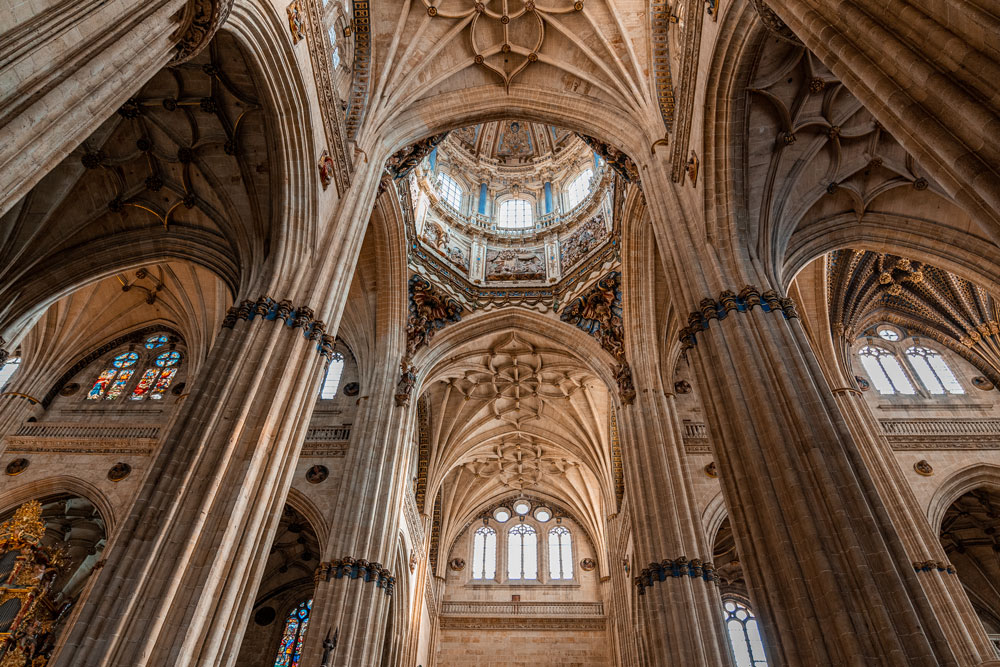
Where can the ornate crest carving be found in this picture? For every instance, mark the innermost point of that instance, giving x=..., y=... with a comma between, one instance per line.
x=429, y=311
x=406, y=159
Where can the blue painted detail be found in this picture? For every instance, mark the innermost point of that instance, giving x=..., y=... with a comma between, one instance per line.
x=482, y=199
x=548, y=197
x=432, y=159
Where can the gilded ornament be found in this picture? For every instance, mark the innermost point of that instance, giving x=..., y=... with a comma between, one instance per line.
x=924, y=468
x=119, y=471
x=17, y=466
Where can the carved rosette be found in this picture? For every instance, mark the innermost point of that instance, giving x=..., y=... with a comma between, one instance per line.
x=301, y=317
x=748, y=298
x=200, y=22
x=356, y=568
x=674, y=569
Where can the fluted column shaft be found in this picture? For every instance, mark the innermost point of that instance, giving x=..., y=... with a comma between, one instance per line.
x=682, y=619
x=183, y=568
x=351, y=603
x=951, y=605
x=828, y=573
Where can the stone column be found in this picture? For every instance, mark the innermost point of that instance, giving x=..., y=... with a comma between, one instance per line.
x=927, y=71
x=67, y=68
x=674, y=576
x=831, y=581
x=354, y=583
x=182, y=570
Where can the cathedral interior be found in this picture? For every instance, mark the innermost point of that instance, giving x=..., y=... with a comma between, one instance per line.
x=454, y=333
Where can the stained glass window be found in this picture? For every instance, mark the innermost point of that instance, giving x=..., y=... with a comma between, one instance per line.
x=290, y=648
x=884, y=370
x=522, y=552
x=744, y=634
x=154, y=382
x=331, y=382
x=155, y=341
x=7, y=371
x=450, y=191
x=580, y=187
x=560, y=554
x=111, y=383
x=484, y=554
x=514, y=214
x=933, y=371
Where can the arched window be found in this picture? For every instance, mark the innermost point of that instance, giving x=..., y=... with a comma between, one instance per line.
x=290, y=648
x=484, y=554
x=335, y=48
x=157, y=378
x=331, y=381
x=514, y=214
x=450, y=191
x=522, y=552
x=744, y=634
x=7, y=371
x=560, y=554
x=111, y=383
x=884, y=370
x=933, y=371
x=580, y=187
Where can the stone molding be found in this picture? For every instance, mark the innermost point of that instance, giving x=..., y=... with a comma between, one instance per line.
x=356, y=568
x=137, y=439
x=413, y=524
x=519, y=623
x=300, y=317
x=728, y=302
x=675, y=569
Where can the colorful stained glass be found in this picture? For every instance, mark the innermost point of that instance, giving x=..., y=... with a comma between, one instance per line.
x=145, y=383
x=155, y=341
x=168, y=359
x=118, y=386
x=290, y=648
x=166, y=375
x=126, y=360
x=101, y=384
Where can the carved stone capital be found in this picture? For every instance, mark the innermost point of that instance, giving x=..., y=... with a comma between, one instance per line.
x=674, y=569
x=356, y=568
x=199, y=23
x=282, y=312
x=718, y=309
x=934, y=566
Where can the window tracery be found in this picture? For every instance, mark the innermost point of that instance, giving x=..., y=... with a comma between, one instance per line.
x=331, y=381
x=744, y=634
x=560, y=553
x=7, y=371
x=296, y=624
x=885, y=371
x=450, y=191
x=161, y=368
x=522, y=552
x=579, y=188
x=484, y=553
x=933, y=371
x=514, y=214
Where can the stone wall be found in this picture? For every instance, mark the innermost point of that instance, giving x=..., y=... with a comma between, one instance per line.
x=521, y=648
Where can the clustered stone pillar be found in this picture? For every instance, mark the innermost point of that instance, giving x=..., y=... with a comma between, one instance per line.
x=681, y=611
x=354, y=583
x=828, y=574
x=183, y=568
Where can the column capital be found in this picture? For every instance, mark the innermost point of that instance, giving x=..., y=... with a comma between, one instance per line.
x=718, y=309
x=294, y=317
x=674, y=569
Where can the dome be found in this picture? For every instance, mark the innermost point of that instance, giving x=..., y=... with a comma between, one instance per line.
x=513, y=142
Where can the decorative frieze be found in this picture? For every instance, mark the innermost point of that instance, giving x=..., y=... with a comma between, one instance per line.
x=681, y=567
x=519, y=623
x=84, y=439
x=728, y=302
x=300, y=317
x=357, y=568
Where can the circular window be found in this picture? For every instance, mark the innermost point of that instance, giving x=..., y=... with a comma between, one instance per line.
x=522, y=507
x=885, y=333
x=501, y=514
x=168, y=359
x=155, y=341
x=126, y=360
x=543, y=514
